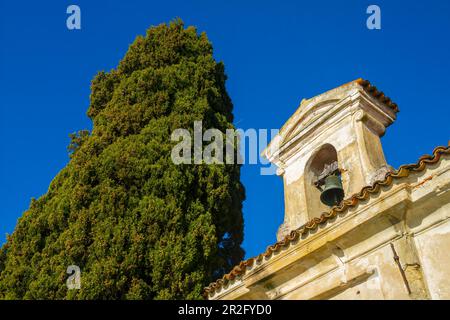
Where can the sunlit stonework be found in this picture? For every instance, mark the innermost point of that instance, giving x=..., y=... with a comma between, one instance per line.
x=390, y=236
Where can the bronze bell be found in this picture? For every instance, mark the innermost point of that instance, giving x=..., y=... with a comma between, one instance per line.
x=332, y=193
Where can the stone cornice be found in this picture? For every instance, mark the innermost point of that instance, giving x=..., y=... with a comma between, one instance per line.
x=325, y=111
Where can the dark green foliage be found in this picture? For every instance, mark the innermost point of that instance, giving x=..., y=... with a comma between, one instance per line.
x=138, y=226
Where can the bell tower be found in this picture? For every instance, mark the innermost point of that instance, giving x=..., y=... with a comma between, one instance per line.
x=330, y=148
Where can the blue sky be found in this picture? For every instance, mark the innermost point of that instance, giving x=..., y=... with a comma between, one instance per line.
x=275, y=53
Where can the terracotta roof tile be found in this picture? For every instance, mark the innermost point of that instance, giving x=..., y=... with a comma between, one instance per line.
x=402, y=172
x=379, y=95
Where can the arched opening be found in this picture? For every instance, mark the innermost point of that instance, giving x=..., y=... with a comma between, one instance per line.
x=322, y=164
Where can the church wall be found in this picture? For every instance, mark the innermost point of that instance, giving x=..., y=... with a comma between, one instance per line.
x=434, y=253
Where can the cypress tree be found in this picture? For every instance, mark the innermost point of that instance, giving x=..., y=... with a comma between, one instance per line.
x=137, y=225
